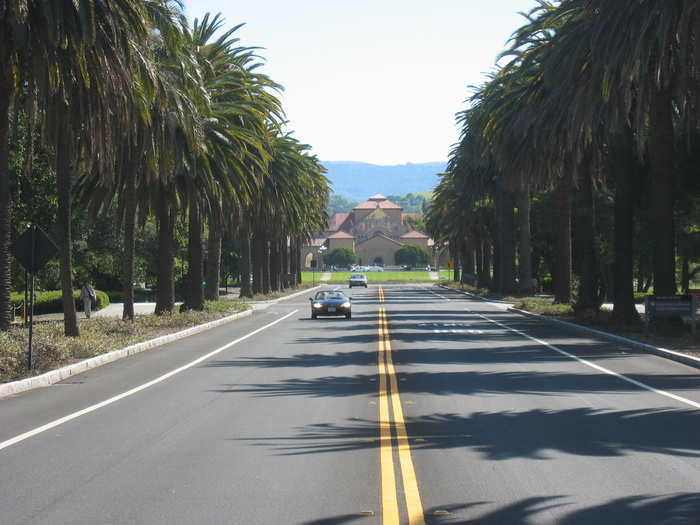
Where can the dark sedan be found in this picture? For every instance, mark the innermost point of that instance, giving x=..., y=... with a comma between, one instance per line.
x=330, y=303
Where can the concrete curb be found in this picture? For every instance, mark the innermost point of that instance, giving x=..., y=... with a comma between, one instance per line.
x=54, y=376
x=661, y=352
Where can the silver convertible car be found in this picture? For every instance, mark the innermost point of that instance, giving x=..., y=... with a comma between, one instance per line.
x=331, y=303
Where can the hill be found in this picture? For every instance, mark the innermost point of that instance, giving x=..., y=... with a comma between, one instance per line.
x=356, y=181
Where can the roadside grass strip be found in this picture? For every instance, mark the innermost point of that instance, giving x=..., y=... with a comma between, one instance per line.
x=144, y=386
x=390, y=401
x=376, y=277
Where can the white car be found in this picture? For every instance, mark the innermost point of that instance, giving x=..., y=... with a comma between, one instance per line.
x=357, y=279
x=375, y=269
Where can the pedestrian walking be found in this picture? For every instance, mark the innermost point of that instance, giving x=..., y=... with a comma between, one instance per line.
x=88, y=295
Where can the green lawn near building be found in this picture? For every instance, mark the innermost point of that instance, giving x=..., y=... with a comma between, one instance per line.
x=376, y=277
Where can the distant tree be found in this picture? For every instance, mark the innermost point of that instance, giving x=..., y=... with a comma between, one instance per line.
x=411, y=202
x=411, y=255
x=339, y=204
x=340, y=257
x=417, y=223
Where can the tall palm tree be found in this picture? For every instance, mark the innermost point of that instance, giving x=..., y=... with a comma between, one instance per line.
x=79, y=56
x=234, y=135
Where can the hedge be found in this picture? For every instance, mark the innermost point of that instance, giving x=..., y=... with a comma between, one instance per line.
x=50, y=302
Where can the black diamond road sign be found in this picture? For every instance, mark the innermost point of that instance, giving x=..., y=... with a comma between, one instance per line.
x=44, y=249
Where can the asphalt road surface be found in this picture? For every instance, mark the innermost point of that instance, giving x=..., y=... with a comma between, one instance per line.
x=425, y=407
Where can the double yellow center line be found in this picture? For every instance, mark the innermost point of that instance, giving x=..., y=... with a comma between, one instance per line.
x=389, y=399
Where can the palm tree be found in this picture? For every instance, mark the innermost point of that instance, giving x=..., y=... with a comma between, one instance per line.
x=630, y=66
x=103, y=38
x=6, y=82
x=234, y=128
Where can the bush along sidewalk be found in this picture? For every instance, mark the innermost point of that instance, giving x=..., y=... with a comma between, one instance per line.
x=51, y=349
x=51, y=302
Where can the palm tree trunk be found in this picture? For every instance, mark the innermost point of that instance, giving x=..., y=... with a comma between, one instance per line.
x=685, y=273
x=562, y=274
x=294, y=262
x=165, y=299
x=456, y=261
x=526, y=284
x=467, y=260
x=284, y=245
x=506, y=242
x=129, y=243
x=297, y=260
x=479, y=262
x=265, y=247
x=213, y=278
x=661, y=162
x=5, y=201
x=587, y=300
x=64, y=188
x=194, y=300
x=488, y=264
x=623, y=166
x=244, y=242
x=258, y=261
x=495, y=281
x=276, y=265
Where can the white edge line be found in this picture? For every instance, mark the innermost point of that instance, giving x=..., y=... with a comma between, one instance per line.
x=593, y=365
x=658, y=350
x=679, y=357
x=435, y=293
x=54, y=376
x=92, y=408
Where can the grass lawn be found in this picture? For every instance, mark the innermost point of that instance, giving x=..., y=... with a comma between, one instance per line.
x=376, y=277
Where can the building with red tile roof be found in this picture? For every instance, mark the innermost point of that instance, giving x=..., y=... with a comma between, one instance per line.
x=374, y=230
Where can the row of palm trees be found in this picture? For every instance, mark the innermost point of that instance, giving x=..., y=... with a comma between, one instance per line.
x=590, y=94
x=150, y=116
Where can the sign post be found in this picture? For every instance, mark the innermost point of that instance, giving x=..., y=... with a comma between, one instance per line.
x=33, y=249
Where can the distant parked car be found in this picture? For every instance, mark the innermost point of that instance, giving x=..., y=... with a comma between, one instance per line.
x=357, y=279
x=375, y=269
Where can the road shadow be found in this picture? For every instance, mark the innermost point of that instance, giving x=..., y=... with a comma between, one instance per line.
x=532, y=434
x=470, y=383
x=406, y=357
x=666, y=509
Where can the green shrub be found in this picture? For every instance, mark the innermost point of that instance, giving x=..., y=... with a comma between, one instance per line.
x=640, y=296
x=411, y=255
x=51, y=302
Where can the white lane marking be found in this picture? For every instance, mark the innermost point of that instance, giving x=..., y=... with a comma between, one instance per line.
x=435, y=293
x=92, y=408
x=593, y=365
x=458, y=331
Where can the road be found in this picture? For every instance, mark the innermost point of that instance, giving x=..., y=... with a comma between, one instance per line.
x=425, y=407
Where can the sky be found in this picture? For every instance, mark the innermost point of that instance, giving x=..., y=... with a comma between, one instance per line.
x=376, y=81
